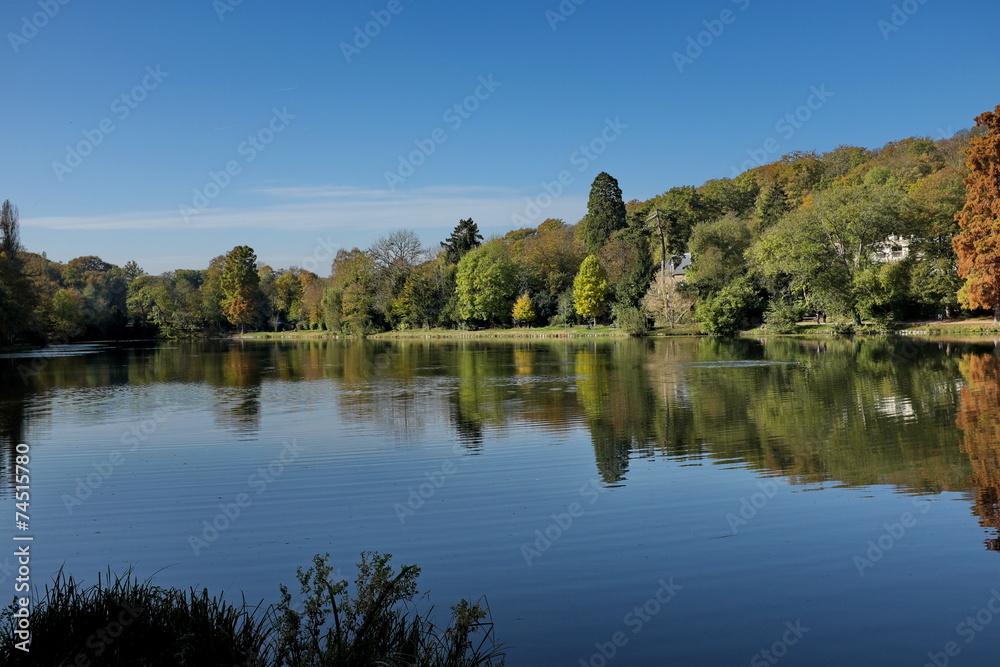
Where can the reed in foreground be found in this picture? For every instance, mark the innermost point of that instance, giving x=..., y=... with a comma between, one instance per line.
x=122, y=621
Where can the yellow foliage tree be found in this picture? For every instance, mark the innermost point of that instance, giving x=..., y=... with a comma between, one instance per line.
x=524, y=310
x=590, y=289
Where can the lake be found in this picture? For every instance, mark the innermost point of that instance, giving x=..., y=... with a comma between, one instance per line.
x=684, y=501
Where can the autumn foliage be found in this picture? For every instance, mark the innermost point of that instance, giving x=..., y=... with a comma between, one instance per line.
x=978, y=243
x=979, y=419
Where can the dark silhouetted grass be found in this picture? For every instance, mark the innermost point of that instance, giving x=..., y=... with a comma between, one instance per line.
x=123, y=621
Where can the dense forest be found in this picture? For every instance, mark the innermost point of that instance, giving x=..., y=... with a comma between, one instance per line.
x=907, y=231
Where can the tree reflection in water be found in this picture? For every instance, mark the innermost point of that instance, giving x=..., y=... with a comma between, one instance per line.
x=850, y=412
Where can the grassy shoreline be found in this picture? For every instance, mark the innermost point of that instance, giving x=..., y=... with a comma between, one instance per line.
x=966, y=328
x=972, y=328
x=459, y=334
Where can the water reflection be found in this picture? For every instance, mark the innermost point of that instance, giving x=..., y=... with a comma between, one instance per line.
x=847, y=412
x=13, y=421
x=979, y=419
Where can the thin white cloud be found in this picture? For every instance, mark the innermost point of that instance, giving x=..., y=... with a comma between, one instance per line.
x=337, y=208
x=344, y=191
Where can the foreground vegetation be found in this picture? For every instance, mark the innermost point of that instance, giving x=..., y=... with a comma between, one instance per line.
x=122, y=621
x=904, y=232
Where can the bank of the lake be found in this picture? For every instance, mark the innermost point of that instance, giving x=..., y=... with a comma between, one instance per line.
x=965, y=329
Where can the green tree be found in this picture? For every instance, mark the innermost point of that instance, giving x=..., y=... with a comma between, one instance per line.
x=167, y=304
x=772, y=203
x=464, y=238
x=840, y=162
x=675, y=213
x=68, y=313
x=394, y=257
x=727, y=195
x=354, y=275
x=978, y=243
x=830, y=249
x=132, y=270
x=358, y=310
x=288, y=296
x=724, y=313
x=18, y=298
x=422, y=299
x=935, y=281
x=486, y=283
x=240, y=284
x=549, y=258
x=719, y=249
x=524, y=310
x=212, y=296
x=332, y=306
x=590, y=289
x=605, y=212
x=268, y=296
x=628, y=261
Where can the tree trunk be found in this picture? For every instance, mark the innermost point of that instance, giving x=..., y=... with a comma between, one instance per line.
x=996, y=314
x=663, y=253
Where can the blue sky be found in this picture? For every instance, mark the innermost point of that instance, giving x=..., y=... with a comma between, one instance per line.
x=169, y=132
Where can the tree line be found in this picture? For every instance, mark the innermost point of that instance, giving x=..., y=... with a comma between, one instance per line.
x=906, y=231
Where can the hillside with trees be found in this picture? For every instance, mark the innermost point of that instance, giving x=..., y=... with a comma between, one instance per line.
x=907, y=231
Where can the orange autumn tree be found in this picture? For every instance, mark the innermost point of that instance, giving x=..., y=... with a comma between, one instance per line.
x=978, y=242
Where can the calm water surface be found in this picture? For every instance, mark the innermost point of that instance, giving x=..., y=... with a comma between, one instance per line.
x=695, y=501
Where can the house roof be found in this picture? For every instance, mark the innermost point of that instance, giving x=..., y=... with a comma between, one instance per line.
x=679, y=264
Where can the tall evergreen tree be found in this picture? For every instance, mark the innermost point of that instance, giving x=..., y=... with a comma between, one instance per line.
x=605, y=212
x=978, y=244
x=464, y=238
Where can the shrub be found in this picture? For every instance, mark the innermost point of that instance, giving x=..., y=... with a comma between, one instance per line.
x=841, y=328
x=783, y=316
x=631, y=320
x=724, y=313
x=375, y=627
